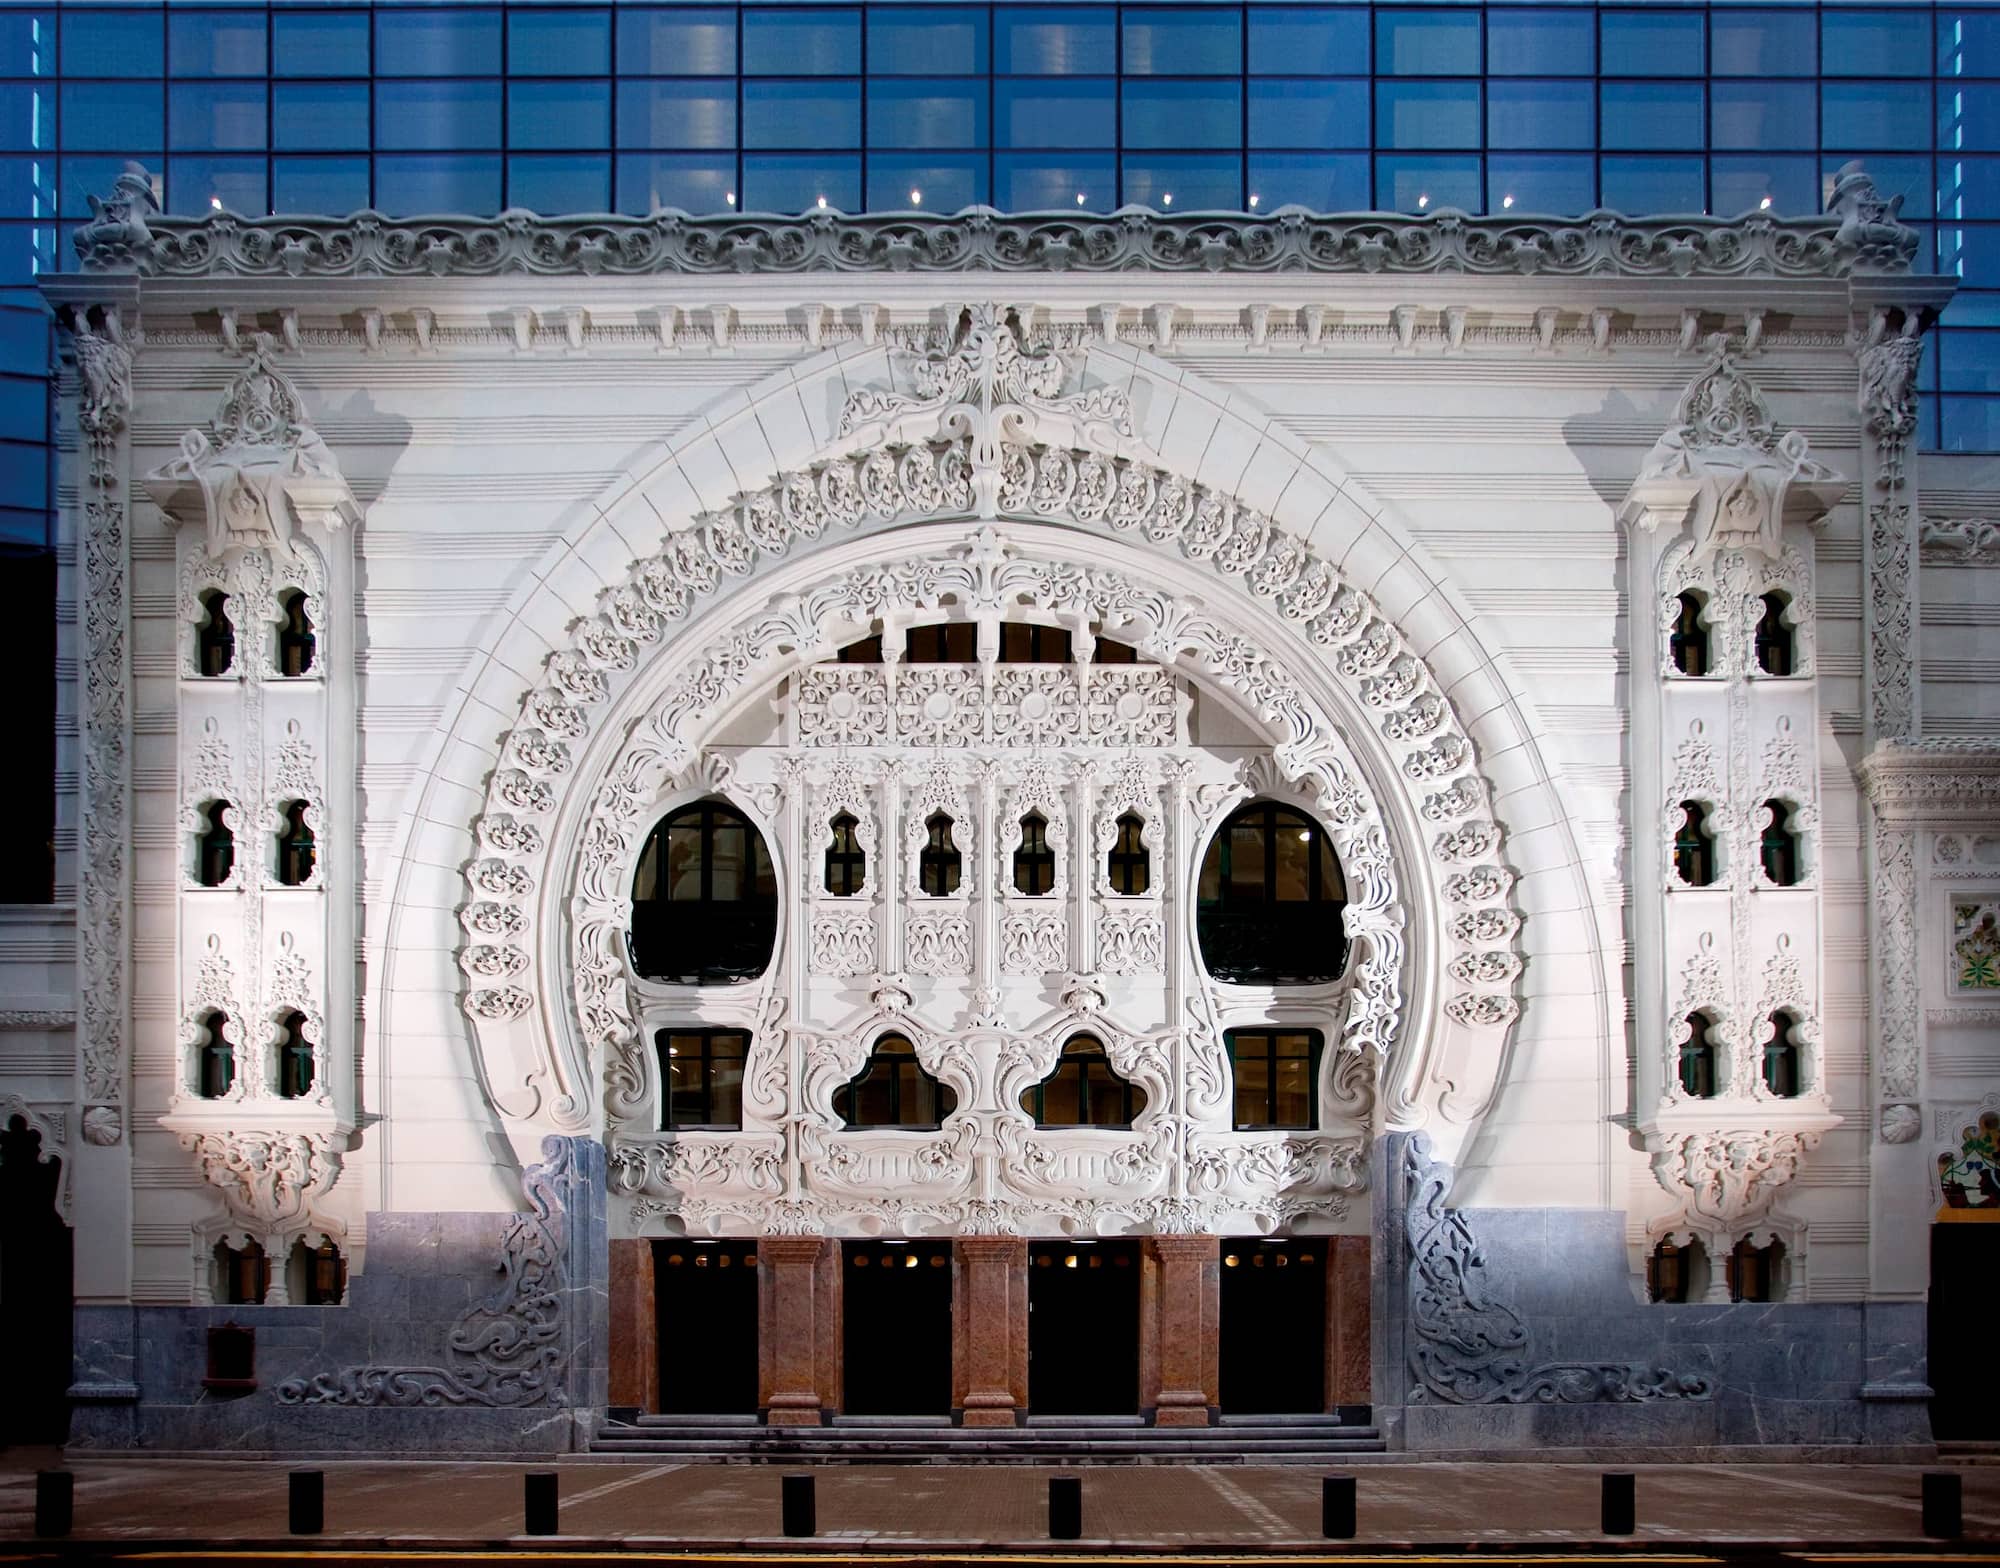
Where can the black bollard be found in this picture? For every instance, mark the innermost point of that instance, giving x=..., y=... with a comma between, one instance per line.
x=55, y=1492
x=541, y=1500
x=1336, y=1507
x=801, y=1513
x=1943, y=1518
x=308, y=1502
x=1065, y=1507
x=1620, y=1506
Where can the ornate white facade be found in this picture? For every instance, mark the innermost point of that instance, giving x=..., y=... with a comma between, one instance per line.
x=1399, y=519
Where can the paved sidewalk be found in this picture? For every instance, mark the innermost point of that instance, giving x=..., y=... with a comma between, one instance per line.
x=1170, y=1508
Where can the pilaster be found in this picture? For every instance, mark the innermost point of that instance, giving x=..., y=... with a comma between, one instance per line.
x=634, y=1327
x=1180, y=1329
x=990, y=1329
x=797, y=1328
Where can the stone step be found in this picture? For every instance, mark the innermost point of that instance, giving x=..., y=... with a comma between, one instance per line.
x=1084, y=1441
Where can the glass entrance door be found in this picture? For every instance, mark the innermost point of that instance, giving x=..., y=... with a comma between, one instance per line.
x=896, y=1327
x=705, y=1294
x=1083, y=1328
x=1273, y=1343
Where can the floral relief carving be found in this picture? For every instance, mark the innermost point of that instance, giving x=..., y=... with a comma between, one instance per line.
x=937, y=944
x=1130, y=943
x=1033, y=944
x=842, y=705
x=843, y=944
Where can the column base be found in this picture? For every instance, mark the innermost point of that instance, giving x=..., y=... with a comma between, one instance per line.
x=990, y=1415
x=1173, y=1412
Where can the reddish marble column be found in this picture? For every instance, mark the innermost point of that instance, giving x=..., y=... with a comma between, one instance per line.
x=1182, y=1328
x=1347, y=1325
x=792, y=1336
x=990, y=1329
x=634, y=1327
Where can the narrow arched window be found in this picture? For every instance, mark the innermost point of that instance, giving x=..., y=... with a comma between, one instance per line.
x=1021, y=642
x=1776, y=652
x=1688, y=646
x=1781, y=1057
x=1667, y=1272
x=846, y=861
x=1083, y=1091
x=318, y=1274
x=1276, y=1074
x=215, y=1060
x=296, y=642
x=701, y=1071
x=214, y=637
x=1268, y=907
x=704, y=898
x=1779, y=846
x=1755, y=1273
x=296, y=848
x=245, y=1273
x=1698, y=1059
x=1694, y=850
x=295, y=1057
x=893, y=1090
x=1034, y=861
x=939, y=864
x=215, y=846
x=951, y=642
x=1130, y=864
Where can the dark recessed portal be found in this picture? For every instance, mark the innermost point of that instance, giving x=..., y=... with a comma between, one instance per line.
x=1965, y=1261
x=706, y=1293
x=1273, y=1326
x=896, y=1322
x=1083, y=1328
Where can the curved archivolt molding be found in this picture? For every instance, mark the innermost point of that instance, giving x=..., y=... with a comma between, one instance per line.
x=984, y=432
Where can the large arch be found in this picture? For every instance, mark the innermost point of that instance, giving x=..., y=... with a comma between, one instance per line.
x=1326, y=585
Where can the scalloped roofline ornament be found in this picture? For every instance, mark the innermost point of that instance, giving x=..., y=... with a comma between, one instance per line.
x=1859, y=233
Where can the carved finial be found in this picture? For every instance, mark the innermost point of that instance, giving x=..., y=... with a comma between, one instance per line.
x=117, y=237
x=1871, y=233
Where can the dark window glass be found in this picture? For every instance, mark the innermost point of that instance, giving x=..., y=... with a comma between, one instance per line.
x=1968, y=42
x=1129, y=865
x=1761, y=43
x=1039, y=184
x=1968, y=119
x=1697, y=1060
x=797, y=184
x=1654, y=114
x=1540, y=114
x=1426, y=43
x=559, y=181
x=1054, y=114
x=846, y=860
x=1638, y=186
x=704, y=898
x=1269, y=903
x=1754, y=1271
x=927, y=40
x=112, y=116
x=443, y=183
x=1667, y=1271
x=320, y=116
x=677, y=114
x=935, y=182
x=319, y=185
x=125, y=41
x=214, y=636
x=1877, y=114
x=1083, y=1091
x=1276, y=1078
x=559, y=43
x=1969, y=361
x=1183, y=114
x=296, y=642
x=939, y=864
x=1774, y=636
x=1545, y=182
x=1192, y=182
x=1426, y=184
x=326, y=1275
x=1331, y=182
x=649, y=181
x=295, y=1058
x=1535, y=42
x=801, y=43
x=893, y=1090
x=1874, y=43
x=1034, y=860
x=437, y=115
x=215, y=845
x=215, y=43
x=1761, y=116
x=1764, y=182
x=682, y=41
x=1191, y=42
x=215, y=1065
x=1778, y=846
x=701, y=1077
x=1426, y=114
x=1330, y=40
x=927, y=114
x=295, y=847
x=947, y=642
x=802, y=114
x=1781, y=1057
x=28, y=117
x=27, y=41
x=1694, y=848
x=1969, y=424
x=1651, y=43
x=868, y=650
x=559, y=114
x=1305, y=112
x=246, y=1274
x=440, y=42
x=201, y=185
x=319, y=43
x=1022, y=642
x=1054, y=40
x=218, y=116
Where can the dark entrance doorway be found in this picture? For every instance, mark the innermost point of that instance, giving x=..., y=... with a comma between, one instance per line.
x=896, y=1326
x=1083, y=1328
x=1965, y=1263
x=36, y=1306
x=706, y=1297
x=1273, y=1342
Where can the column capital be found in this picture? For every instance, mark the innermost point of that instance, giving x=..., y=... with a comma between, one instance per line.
x=1184, y=1249
x=793, y=1250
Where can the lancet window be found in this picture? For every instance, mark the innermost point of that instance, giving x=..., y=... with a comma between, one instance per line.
x=1034, y=860
x=704, y=898
x=1130, y=864
x=939, y=864
x=215, y=846
x=1268, y=908
x=214, y=636
x=1781, y=1057
x=296, y=847
x=1776, y=647
x=1687, y=646
x=1694, y=847
x=295, y=1057
x=296, y=641
x=1698, y=1059
x=215, y=1058
x=846, y=861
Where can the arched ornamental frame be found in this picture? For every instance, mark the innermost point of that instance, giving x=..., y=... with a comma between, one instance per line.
x=974, y=424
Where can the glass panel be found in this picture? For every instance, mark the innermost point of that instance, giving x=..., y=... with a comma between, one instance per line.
x=28, y=117
x=1426, y=184
x=111, y=43
x=1645, y=186
x=1054, y=40
x=24, y=402
x=1253, y=1087
x=1304, y=112
x=1968, y=43
x=1294, y=1094
x=1183, y=43
x=927, y=40
x=927, y=114
x=1654, y=114
x=28, y=187
x=202, y=117
x=319, y=43
x=1969, y=361
x=647, y=183
x=725, y=1091
x=794, y=184
x=1426, y=43
x=428, y=182
x=1030, y=184
x=1968, y=186
x=1971, y=251
x=123, y=117
x=1426, y=114
x=1650, y=43
x=1061, y=1096
x=215, y=43
x=1761, y=116
x=559, y=43
x=319, y=115
x=437, y=115
x=197, y=185
x=560, y=182
x=1877, y=114
x=1539, y=43
x=559, y=114
x=437, y=43
x=1054, y=114
x=1246, y=863
x=1194, y=183
x=1874, y=43
x=801, y=43
x=678, y=42
x=1970, y=424
x=1761, y=43
x=319, y=185
x=1540, y=114
x=1107, y=1096
x=677, y=114
x=1288, y=39
x=1292, y=854
x=1332, y=183
x=1554, y=184
x=1183, y=114
x=1968, y=117
x=802, y=114
x=27, y=42
x=1782, y=185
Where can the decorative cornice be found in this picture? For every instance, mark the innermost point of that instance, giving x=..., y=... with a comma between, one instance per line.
x=1942, y=783
x=1860, y=234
